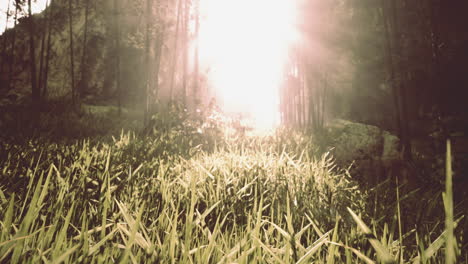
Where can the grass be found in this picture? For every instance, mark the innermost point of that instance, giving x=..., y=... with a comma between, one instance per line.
x=179, y=196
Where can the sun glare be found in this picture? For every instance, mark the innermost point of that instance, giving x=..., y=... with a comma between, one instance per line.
x=36, y=7
x=243, y=45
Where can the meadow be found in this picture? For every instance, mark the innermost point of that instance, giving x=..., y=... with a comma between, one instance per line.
x=194, y=191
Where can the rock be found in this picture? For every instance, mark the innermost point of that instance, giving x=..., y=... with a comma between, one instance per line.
x=372, y=150
x=390, y=146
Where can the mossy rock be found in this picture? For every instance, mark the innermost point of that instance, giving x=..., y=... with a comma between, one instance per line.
x=355, y=141
x=370, y=148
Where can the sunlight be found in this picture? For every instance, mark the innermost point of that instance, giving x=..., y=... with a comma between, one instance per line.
x=243, y=45
x=36, y=7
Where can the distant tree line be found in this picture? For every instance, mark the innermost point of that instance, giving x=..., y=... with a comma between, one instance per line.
x=132, y=47
x=396, y=64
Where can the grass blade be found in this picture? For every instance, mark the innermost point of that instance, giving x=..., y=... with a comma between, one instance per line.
x=383, y=253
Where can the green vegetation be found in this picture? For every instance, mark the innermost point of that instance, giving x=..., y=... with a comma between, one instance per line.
x=192, y=190
x=112, y=148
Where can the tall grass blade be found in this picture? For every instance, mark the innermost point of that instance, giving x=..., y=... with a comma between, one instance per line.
x=7, y=220
x=451, y=242
x=432, y=249
x=67, y=253
x=314, y=248
x=382, y=252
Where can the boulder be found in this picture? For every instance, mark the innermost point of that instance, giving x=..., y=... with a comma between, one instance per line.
x=371, y=150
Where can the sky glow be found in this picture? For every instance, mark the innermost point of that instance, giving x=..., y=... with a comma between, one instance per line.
x=243, y=47
x=244, y=44
x=36, y=7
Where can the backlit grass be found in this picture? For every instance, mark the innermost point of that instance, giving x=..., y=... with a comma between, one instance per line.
x=169, y=198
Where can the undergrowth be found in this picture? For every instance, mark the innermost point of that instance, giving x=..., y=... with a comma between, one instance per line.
x=193, y=192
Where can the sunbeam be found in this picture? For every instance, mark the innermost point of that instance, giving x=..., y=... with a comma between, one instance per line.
x=244, y=46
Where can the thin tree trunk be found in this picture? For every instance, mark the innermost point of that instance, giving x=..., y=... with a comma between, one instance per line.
x=11, y=67
x=405, y=133
x=72, y=65
x=83, y=77
x=304, y=100
x=176, y=42
x=185, y=53
x=3, y=55
x=196, y=77
x=316, y=101
x=324, y=100
x=437, y=88
x=159, y=42
x=117, y=55
x=41, y=56
x=147, y=64
x=300, y=103
x=390, y=66
x=158, y=55
x=32, y=61
x=49, y=44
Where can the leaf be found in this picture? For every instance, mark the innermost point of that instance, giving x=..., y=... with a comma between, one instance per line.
x=267, y=249
x=314, y=248
x=436, y=245
x=66, y=254
x=383, y=254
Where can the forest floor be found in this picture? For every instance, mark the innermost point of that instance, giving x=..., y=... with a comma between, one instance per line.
x=192, y=191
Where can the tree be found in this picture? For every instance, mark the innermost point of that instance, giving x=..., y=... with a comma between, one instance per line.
x=175, y=53
x=145, y=94
x=83, y=77
x=36, y=96
x=48, y=51
x=72, y=59
x=117, y=54
x=185, y=39
x=399, y=90
x=13, y=48
x=3, y=54
x=160, y=31
x=196, y=77
x=309, y=74
x=390, y=65
x=42, y=52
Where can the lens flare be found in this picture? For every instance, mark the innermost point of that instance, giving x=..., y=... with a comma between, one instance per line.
x=244, y=45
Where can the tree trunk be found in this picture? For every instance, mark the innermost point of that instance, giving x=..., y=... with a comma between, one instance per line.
x=11, y=68
x=72, y=61
x=390, y=66
x=83, y=78
x=41, y=56
x=196, y=77
x=437, y=88
x=300, y=104
x=157, y=62
x=176, y=43
x=324, y=100
x=147, y=64
x=4, y=42
x=32, y=62
x=117, y=55
x=47, y=58
x=185, y=53
x=405, y=133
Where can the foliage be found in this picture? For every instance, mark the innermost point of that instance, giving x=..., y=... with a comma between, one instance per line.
x=168, y=196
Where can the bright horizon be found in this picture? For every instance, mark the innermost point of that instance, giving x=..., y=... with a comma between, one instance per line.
x=244, y=44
